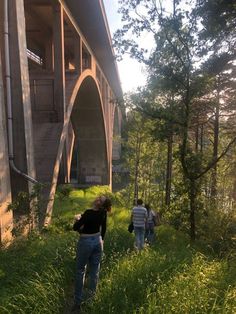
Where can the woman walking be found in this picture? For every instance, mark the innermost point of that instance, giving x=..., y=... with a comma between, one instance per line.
x=92, y=228
x=150, y=225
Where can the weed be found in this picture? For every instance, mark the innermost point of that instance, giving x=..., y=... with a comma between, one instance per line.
x=172, y=276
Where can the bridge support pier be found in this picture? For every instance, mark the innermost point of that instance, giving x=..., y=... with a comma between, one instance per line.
x=20, y=99
x=6, y=218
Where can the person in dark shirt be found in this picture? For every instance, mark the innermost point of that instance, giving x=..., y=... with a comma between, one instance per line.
x=92, y=228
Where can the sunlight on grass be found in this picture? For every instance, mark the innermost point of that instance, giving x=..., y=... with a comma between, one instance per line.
x=123, y=214
x=172, y=276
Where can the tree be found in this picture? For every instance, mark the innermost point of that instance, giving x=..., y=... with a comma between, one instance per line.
x=177, y=82
x=141, y=156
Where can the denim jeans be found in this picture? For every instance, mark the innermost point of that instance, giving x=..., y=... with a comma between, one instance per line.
x=139, y=237
x=89, y=253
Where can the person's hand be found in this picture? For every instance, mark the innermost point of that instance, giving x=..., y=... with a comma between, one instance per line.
x=77, y=217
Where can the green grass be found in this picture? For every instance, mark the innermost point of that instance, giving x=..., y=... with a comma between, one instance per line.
x=172, y=276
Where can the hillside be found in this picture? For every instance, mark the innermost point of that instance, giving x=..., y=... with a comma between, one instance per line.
x=172, y=276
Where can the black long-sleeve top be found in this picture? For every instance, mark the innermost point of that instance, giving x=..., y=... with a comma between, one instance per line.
x=92, y=221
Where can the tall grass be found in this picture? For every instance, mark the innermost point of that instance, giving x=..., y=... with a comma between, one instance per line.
x=172, y=276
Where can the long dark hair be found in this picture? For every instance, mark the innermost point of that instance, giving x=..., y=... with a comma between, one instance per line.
x=147, y=206
x=107, y=205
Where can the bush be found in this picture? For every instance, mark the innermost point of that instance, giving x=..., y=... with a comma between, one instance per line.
x=64, y=190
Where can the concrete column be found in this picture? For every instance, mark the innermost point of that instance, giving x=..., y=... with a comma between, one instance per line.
x=59, y=78
x=93, y=65
x=48, y=54
x=59, y=60
x=78, y=54
x=21, y=103
x=110, y=134
x=1, y=25
x=6, y=218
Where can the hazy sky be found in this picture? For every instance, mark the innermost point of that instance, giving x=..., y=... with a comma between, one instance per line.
x=131, y=72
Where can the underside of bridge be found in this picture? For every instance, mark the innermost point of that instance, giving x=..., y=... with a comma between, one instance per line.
x=89, y=162
x=59, y=88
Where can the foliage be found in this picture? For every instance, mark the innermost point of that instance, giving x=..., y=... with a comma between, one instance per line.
x=98, y=190
x=218, y=229
x=168, y=277
x=26, y=209
x=143, y=157
x=219, y=20
x=64, y=190
x=191, y=83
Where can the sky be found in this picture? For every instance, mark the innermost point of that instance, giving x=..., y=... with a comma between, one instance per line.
x=131, y=72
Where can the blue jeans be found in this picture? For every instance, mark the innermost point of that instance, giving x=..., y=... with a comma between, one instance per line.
x=89, y=253
x=139, y=237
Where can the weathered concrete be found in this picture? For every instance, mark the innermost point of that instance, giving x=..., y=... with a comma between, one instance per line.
x=6, y=218
x=21, y=103
x=90, y=135
x=65, y=89
x=58, y=60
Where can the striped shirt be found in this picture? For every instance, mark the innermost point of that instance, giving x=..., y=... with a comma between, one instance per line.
x=139, y=216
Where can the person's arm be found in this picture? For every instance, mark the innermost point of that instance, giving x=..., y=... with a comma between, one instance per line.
x=79, y=222
x=104, y=226
x=132, y=215
x=155, y=218
x=146, y=215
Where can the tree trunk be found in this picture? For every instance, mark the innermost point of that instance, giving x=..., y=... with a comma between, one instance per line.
x=201, y=138
x=169, y=170
x=192, y=198
x=148, y=190
x=197, y=136
x=234, y=183
x=215, y=147
x=138, y=144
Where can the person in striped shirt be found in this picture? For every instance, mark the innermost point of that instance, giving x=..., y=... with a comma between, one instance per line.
x=139, y=218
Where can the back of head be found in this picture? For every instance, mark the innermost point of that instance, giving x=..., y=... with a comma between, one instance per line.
x=98, y=202
x=107, y=204
x=139, y=201
x=103, y=203
x=147, y=206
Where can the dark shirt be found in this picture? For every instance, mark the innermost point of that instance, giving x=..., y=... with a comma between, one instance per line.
x=93, y=221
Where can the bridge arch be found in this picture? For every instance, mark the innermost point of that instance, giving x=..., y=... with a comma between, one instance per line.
x=65, y=75
x=89, y=159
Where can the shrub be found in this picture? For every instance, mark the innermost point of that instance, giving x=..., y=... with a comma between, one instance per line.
x=64, y=190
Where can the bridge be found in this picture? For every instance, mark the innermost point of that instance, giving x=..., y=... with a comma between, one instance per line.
x=59, y=99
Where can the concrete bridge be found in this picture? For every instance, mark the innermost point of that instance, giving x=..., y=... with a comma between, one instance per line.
x=59, y=96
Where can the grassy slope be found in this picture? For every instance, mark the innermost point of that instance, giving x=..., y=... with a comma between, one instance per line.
x=170, y=277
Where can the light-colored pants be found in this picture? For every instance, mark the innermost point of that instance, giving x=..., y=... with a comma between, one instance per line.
x=139, y=237
x=89, y=253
